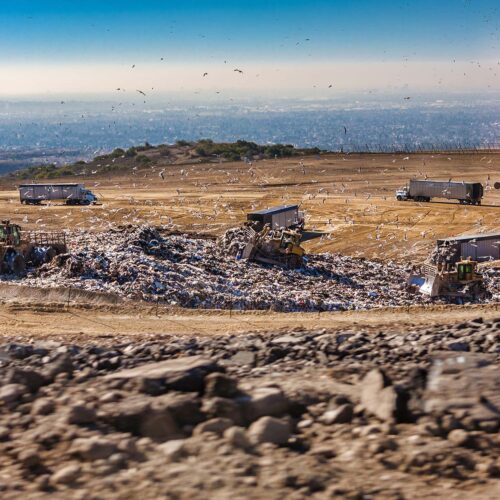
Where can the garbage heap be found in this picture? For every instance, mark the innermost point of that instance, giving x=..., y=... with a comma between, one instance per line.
x=142, y=263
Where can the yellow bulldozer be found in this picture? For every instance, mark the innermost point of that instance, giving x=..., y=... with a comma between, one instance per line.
x=19, y=248
x=460, y=280
x=274, y=246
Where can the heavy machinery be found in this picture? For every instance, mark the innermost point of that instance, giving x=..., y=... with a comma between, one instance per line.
x=274, y=246
x=467, y=193
x=459, y=280
x=18, y=248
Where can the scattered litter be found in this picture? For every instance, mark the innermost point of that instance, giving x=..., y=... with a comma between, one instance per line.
x=144, y=263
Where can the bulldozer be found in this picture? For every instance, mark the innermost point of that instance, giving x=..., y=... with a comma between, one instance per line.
x=18, y=248
x=459, y=280
x=274, y=246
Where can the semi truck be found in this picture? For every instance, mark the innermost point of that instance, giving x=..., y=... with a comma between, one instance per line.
x=71, y=194
x=467, y=193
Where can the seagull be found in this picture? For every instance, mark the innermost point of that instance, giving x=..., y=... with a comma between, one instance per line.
x=238, y=70
x=141, y=92
x=330, y=86
x=205, y=74
x=345, y=130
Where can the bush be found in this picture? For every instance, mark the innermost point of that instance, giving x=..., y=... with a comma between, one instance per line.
x=142, y=159
x=131, y=152
x=117, y=153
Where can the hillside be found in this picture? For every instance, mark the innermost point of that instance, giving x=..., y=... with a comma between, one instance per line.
x=121, y=161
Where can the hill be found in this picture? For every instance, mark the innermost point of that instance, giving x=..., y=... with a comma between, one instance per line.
x=121, y=161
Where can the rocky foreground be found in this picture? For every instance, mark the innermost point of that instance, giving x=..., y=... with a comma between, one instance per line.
x=321, y=414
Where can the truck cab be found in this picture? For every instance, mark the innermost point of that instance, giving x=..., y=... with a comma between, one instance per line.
x=402, y=194
x=89, y=197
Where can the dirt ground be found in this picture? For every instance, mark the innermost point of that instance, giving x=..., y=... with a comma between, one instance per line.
x=350, y=197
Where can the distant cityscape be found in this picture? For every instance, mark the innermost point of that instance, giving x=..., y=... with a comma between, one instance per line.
x=66, y=131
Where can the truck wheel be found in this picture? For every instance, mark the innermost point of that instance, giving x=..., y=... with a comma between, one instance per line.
x=399, y=198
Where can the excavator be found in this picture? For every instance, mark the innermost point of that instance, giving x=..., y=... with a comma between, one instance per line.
x=459, y=280
x=18, y=248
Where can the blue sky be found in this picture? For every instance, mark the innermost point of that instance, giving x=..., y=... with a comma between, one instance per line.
x=356, y=29
x=246, y=32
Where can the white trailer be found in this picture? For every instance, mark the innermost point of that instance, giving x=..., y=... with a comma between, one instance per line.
x=71, y=194
x=423, y=190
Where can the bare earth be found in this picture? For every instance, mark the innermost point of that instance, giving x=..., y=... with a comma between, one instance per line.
x=350, y=197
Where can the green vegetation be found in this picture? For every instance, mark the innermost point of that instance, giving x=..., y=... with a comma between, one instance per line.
x=243, y=149
x=121, y=160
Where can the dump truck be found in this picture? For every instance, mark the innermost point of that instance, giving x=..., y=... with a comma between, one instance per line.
x=459, y=280
x=283, y=216
x=71, y=194
x=18, y=248
x=467, y=193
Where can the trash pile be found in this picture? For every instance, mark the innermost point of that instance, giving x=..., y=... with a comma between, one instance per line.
x=141, y=263
x=448, y=253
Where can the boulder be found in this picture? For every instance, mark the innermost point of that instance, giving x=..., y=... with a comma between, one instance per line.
x=93, y=448
x=214, y=425
x=180, y=374
x=269, y=430
x=265, y=401
x=341, y=415
x=381, y=399
x=12, y=393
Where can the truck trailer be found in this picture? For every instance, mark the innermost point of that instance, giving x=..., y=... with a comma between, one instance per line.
x=71, y=194
x=467, y=193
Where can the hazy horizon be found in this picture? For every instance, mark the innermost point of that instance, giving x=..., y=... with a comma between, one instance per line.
x=306, y=50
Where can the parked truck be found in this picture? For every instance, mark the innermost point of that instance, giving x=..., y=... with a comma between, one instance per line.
x=71, y=194
x=467, y=193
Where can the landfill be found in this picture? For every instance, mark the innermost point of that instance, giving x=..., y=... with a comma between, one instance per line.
x=146, y=263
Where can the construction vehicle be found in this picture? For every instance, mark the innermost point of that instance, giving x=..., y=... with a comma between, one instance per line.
x=274, y=246
x=18, y=248
x=459, y=280
x=467, y=193
x=71, y=194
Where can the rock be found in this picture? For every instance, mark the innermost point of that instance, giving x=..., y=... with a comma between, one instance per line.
x=66, y=475
x=32, y=379
x=459, y=437
x=237, y=437
x=11, y=393
x=220, y=385
x=29, y=458
x=224, y=408
x=93, y=448
x=159, y=426
x=341, y=415
x=80, y=414
x=265, y=401
x=269, y=430
x=174, y=449
x=215, y=426
x=468, y=381
x=4, y=433
x=381, y=399
x=150, y=417
x=458, y=346
x=43, y=406
x=182, y=374
x=62, y=364
x=244, y=358
x=185, y=408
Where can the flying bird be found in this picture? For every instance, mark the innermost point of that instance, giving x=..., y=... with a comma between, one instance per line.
x=238, y=70
x=141, y=92
x=345, y=130
x=205, y=74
